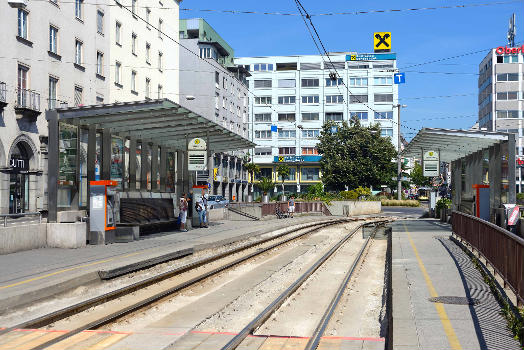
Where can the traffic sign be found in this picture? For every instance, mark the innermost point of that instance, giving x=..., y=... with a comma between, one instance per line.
x=382, y=41
x=399, y=78
x=208, y=185
x=274, y=128
x=512, y=220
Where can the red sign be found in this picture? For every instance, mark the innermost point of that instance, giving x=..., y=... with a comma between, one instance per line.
x=519, y=162
x=504, y=50
x=512, y=220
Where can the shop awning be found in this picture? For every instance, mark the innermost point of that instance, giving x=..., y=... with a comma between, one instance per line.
x=162, y=121
x=452, y=144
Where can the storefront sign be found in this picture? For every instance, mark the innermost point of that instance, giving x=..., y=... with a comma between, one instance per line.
x=371, y=57
x=382, y=41
x=296, y=159
x=519, y=162
x=504, y=50
x=19, y=164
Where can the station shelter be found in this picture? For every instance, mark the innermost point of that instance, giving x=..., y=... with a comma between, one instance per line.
x=139, y=146
x=479, y=159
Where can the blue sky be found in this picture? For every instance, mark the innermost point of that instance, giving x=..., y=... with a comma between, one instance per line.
x=418, y=37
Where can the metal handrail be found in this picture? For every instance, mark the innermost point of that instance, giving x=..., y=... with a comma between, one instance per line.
x=5, y=216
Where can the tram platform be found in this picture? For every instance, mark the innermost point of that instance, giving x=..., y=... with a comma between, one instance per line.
x=428, y=265
x=36, y=274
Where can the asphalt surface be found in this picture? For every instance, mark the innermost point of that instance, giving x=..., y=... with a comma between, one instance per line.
x=404, y=212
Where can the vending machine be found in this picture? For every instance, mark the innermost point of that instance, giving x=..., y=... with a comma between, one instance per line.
x=103, y=211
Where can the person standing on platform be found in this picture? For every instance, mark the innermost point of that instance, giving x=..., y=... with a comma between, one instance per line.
x=291, y=206
x=183, y=212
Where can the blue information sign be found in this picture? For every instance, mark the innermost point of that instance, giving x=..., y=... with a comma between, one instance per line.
x=399, y=78
x=274, y=128
x=371, y=56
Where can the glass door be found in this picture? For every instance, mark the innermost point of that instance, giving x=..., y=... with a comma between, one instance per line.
x=18, y=193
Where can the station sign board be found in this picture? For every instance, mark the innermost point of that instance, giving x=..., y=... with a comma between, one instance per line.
x=197, y=155
x=430, y=163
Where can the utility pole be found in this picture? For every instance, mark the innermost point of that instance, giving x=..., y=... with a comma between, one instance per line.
x=399, y=158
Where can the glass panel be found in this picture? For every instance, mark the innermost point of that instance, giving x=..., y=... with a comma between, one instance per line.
x=138, y=156
x=82, y=186
x=126, y=164
x=504, y=186
x=171, y=172
x=117, y=151
x=66, y=164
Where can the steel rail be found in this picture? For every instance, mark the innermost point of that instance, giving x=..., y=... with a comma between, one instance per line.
x=77, y=308
x=313, y=342
x=268, y=311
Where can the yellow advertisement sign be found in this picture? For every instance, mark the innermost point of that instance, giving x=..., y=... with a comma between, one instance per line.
x=382, y=41
x=215, y=172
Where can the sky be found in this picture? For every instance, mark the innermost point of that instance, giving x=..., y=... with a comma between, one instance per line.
x=417, y=37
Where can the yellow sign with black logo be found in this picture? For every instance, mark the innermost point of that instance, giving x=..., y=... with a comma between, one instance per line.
x=353, y=57
x=382, y=41
x=280, y=159
x=215, y=172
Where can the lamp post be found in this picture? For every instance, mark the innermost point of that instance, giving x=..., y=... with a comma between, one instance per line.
x=399, y=158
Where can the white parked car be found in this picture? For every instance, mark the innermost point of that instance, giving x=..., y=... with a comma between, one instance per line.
x=217, y=202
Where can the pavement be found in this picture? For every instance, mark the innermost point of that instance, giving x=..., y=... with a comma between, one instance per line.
x=36, y=274
x=428, y=264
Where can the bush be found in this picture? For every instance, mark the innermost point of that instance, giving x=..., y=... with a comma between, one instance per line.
x=441, y=204
x=520, y=197
x=401, y=203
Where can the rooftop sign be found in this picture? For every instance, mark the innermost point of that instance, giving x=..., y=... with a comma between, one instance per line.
x=371, y=56
x=504, y=50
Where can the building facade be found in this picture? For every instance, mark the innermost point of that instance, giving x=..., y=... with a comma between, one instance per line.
x=214, y=87
x=72, y=53
x=500, y=99
x=296, y=95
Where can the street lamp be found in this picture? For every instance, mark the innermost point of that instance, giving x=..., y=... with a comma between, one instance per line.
x=399, y=159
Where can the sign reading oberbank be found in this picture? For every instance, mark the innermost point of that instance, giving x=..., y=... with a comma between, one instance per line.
x=504, y=50
x=371, y=56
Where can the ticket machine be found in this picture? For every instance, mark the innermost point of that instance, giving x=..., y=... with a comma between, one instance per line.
x=103, y=211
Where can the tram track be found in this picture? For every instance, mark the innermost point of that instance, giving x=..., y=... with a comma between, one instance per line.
x=157, y=282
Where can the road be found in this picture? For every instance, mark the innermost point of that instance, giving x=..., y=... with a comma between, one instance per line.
x=404, y=212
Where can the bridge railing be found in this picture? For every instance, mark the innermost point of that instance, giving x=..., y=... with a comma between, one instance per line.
x=503, y=250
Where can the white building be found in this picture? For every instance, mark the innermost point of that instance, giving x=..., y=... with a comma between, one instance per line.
x=295, y=95
x=59, y=53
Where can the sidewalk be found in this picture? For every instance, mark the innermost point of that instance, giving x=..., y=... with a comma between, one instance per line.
x=427, y=264
x=35, y=274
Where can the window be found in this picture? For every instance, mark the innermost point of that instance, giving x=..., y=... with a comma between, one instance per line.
x=359, y=66
x=53, y=39
x=286, y=151
x=508, y=77
x=311, y=134
x=148, y=17
x=383, y=98
x=358, y=98
x=262, y=151
x=224, y=82
x=259, y=84
x=386, y=132
x=310, y=174
x=334, y=99
x=309, y=82
x=286, y=117
x=160, y=61
x=507, y=114
x=287, y=83
x=79, y=4
x=310, y=99
x=360, y=115
x=133, y=7
x=510, y=95
x=53, y=83
x=263, y=100
x=334, y=117
x=22, y=85
x=148, y=88
x=22, y=23
x=358, y=81
x=383, y=115
x=383, y=80
x=118, y=31
x=263, y=134
x=510, y=59
x=148, y=53
x=262, y=67
x=100, y=22
x=99, y=99
x=133, y=81
x=334, y=82
x=310, y=116
x=118, y=72
x=286, y=100
x=160, y=92
x=79, y=92
x=263, y=117
x=309, y=151
x=286, y=66
x=287, y=134
x=217, y=79
x=100, y=63
x=217, y=100
x=160, y=24
x=133, y=43
x=78, y=52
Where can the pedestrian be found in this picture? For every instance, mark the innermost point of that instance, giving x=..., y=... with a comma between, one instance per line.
x=183, y=212
x=201, y=208
x=206, y=211
x=291, y=206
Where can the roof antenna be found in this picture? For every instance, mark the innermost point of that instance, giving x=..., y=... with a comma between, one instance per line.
x=512, y=30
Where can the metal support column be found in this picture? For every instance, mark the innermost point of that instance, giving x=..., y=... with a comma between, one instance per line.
x=154, y=167
x=143, y=165
x=52, y=174
x=106, y=155
x=132, y=164
x=163, y=168
x=512, y=193
x=180, y=155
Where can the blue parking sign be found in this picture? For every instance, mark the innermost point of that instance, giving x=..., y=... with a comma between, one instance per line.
x=399, y=78
x=274, y=128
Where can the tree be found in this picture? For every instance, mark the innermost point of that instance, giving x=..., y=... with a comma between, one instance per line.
x=417, y=176
x=252, y=169
x=355, y=156
x=283, y=171
x=266, y=185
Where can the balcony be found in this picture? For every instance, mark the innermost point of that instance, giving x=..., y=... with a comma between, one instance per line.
x=27, y=103
x=3, y=95
x=55, y=104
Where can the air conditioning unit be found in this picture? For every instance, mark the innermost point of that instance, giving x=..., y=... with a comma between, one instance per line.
x=21, y=4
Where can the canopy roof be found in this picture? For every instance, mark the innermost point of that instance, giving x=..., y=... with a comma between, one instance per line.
x=162, y=121
x=452, y=144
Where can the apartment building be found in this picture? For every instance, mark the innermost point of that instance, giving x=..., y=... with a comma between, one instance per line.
x=296, y=95
x=500, y=99
x=70, y=53
x=214, y=87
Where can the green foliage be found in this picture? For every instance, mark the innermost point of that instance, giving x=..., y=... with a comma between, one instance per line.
x=355, y=156
x=283, y=171
x=357, y=193
x=401, y=203
x=266, y=185
x=252, y=169
x=417, y=177
x=520, y=197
